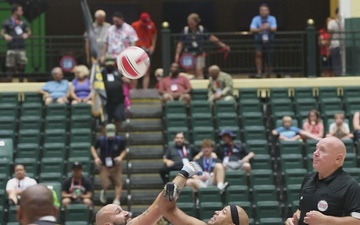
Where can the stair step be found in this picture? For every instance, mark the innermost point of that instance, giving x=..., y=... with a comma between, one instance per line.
x=145, y=138
x=97, y=182
x=146, y=181
x=146, y=152
x=143, y=110
x=145, y=166
x=110, y=194
x=135, y=124
x=151, y=94
x=143, y=197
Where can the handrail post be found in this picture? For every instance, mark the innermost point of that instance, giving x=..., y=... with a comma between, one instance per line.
x=166, y=47
x=311, y=48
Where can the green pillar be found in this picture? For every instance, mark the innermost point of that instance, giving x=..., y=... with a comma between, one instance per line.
x=311, y=48
x=166, y=47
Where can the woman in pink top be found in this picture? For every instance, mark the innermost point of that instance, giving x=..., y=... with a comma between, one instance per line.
x=313, y=124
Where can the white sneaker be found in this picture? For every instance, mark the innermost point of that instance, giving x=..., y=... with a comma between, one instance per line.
x=103, y=197
x=116, y=202
x=223, y=187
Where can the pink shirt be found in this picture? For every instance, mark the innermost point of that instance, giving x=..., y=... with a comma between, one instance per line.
x=315, y=129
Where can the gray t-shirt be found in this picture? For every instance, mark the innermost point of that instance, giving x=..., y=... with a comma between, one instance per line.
x=100, y=33
x=334, y=28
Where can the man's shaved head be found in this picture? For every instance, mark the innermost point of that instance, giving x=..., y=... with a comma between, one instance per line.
x=113, y=215
x=36, y=202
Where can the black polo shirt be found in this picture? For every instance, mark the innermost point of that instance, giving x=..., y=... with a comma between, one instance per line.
x=15, y=28
x=337, y=195
x=114, y=86
x=110, y=147
x=176, y=154
x=236, y=152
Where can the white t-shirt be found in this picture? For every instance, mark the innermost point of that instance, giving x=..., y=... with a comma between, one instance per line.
x=334, y=26
x=16, y=184
x=339, y=134
x=119, y=39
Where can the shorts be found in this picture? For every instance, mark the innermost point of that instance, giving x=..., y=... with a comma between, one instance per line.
x=15, y=58
x=326, y=63
x=234, y=165
x=200, y=61
x=114, y=173
x=267, y=51
x=206, y=183
x=115, y=111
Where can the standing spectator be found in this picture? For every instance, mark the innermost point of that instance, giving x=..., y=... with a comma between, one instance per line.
x=56, y=90
x=175, y=157
x=339, y=128
x=147, y=34
x=220, y=85
x=324, y=44
x=263, y=26
x=313, y=124
x=214, y=172
x=119, y=36
x=112, y=152
x=356, y=125
x=15, y=31
x=234, y=154
x=330, y=195
x=114, y=86
x=80, y=90
x=16, y=185
x=287, y=132
x=100, y=28
x=77, y=188
x=335, y=29
x=192, y=41
x=175, y=87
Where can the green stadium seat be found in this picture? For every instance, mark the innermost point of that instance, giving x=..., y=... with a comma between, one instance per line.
x=30, y=123
x=81, y=109
x=209, y=194
x=76, y=223
x=12, y=214
x=2, y=210
x=176, y=107
x=81, y=122
x=281, y=108
x=172, y=131
x=54, y=150
x=246, y=205
x=5, y=166
x=3, y=181
x=251, y=119
x=294, y=175
x=186, y=196
x=30, y=150
x=84, y=161
x=55, y=122
x=8, y=110
x=77, y=212
x=200, y=106
x=55, y=136
x=226, y=119
x=33, y=97
x=303, y=107
x=7, y=127
x=350, y=160
x=207, y=209
x=279, y=93
x=50, y=177
x=261, y=176
x=349, y=146
x=293, y=192
x=271, y=221
x=199, y=94
x=290, y=147
x=261, y=161
x=6, y=149
x=351, y=92
x=56, y=110
x=328, y=92
x=330, y=106
x=268, y=209
x=32, y=109
x=254, y=133
x=265, y=192
x=289, y=161
x=258, y=146
x=224, y=106
x=52, y=165
x=9, y=97
x=176, y=120
x=249, y=105
x=351, y=105
x=235, y=177
x=355, y=172
x=187, y=207
x=237, y=193
x=248, y=93
x=31, y=166
x=201, y=120
x=201, y=133
x=303, y=93
x=79, y=150
x=310, y=146
x=80, y=136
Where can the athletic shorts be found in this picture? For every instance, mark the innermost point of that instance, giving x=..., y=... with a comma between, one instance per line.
x=115, y=112
x=15, y=58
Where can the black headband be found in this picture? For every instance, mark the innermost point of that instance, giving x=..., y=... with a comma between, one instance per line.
x=234, y=215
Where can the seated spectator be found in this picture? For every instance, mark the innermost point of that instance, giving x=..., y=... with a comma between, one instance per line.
x=56, y=90
x=356, y=125
x=287, y=132
x=214, y=172
x=80, y=90
x=159, y=72
x=175, y=157
x=175, y=87
x=233, y=153
x=220, y=85
x=339, y=128
x=313, y=124
x=77, y=189
x=16, y=185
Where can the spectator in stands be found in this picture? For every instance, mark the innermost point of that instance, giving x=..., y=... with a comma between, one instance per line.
x=324, y=43
x=15, y=31
x=176, y=156
x=112, y=153
x=56, y=90
x=114, y=86
x=80, y=90
x=339, y=128
x=77, y=189
x=159, y=72
x=287, y=132
x=175, y=87
x=55, y=196
x=233, y=153
x=313, y=124
x=263, y=26
x=147, y=34
x=356, y=125
x=214, y=172
x=335, y=30
x=220, y=85
x=119, y=36
x=100, y=28
x=192, y=42
x=16, y=185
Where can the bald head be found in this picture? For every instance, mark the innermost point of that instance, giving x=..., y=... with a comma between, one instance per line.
x=112, y=214
x=334, y=145
x=214, y=71
x=36, y=201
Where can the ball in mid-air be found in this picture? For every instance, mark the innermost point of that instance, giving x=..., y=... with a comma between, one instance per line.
x=133, y=62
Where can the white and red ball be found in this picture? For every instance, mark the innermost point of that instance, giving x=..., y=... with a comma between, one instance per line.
x=133, y=62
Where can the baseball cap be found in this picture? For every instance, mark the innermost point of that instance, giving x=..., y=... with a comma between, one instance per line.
x=110, y=130
x=76, y=165
x=145, y=18
x=109, y=60
x=228, y=132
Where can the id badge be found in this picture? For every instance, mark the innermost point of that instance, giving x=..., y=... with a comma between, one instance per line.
x=218, y=90
x=185, y=161
x=194, y=44
x=174, y=87
x=265, y=37
x=110, y=77
x=226, y=159
x=18, y=30
x=108, y=162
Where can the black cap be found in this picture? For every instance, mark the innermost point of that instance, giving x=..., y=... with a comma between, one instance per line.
x=76, y=165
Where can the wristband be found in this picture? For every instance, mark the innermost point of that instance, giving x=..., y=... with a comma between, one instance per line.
x=184, y=174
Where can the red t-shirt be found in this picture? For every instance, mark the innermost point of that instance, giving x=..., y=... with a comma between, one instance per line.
x=145, y=33
x=175, y=85
x=324, y=49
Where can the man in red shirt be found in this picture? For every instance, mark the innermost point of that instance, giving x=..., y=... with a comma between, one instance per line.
x=175, y=87
x=147, y=33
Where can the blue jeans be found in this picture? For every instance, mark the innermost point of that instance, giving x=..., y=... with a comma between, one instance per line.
x=336, y=60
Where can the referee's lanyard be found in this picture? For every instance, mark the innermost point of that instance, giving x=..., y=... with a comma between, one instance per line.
x=228, y=150
x=72, y=187
x=207, y=164
x=183, y=152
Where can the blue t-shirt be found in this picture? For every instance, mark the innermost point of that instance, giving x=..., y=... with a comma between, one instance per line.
x=288, y=132
x=56, y=89
x=257, y=22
